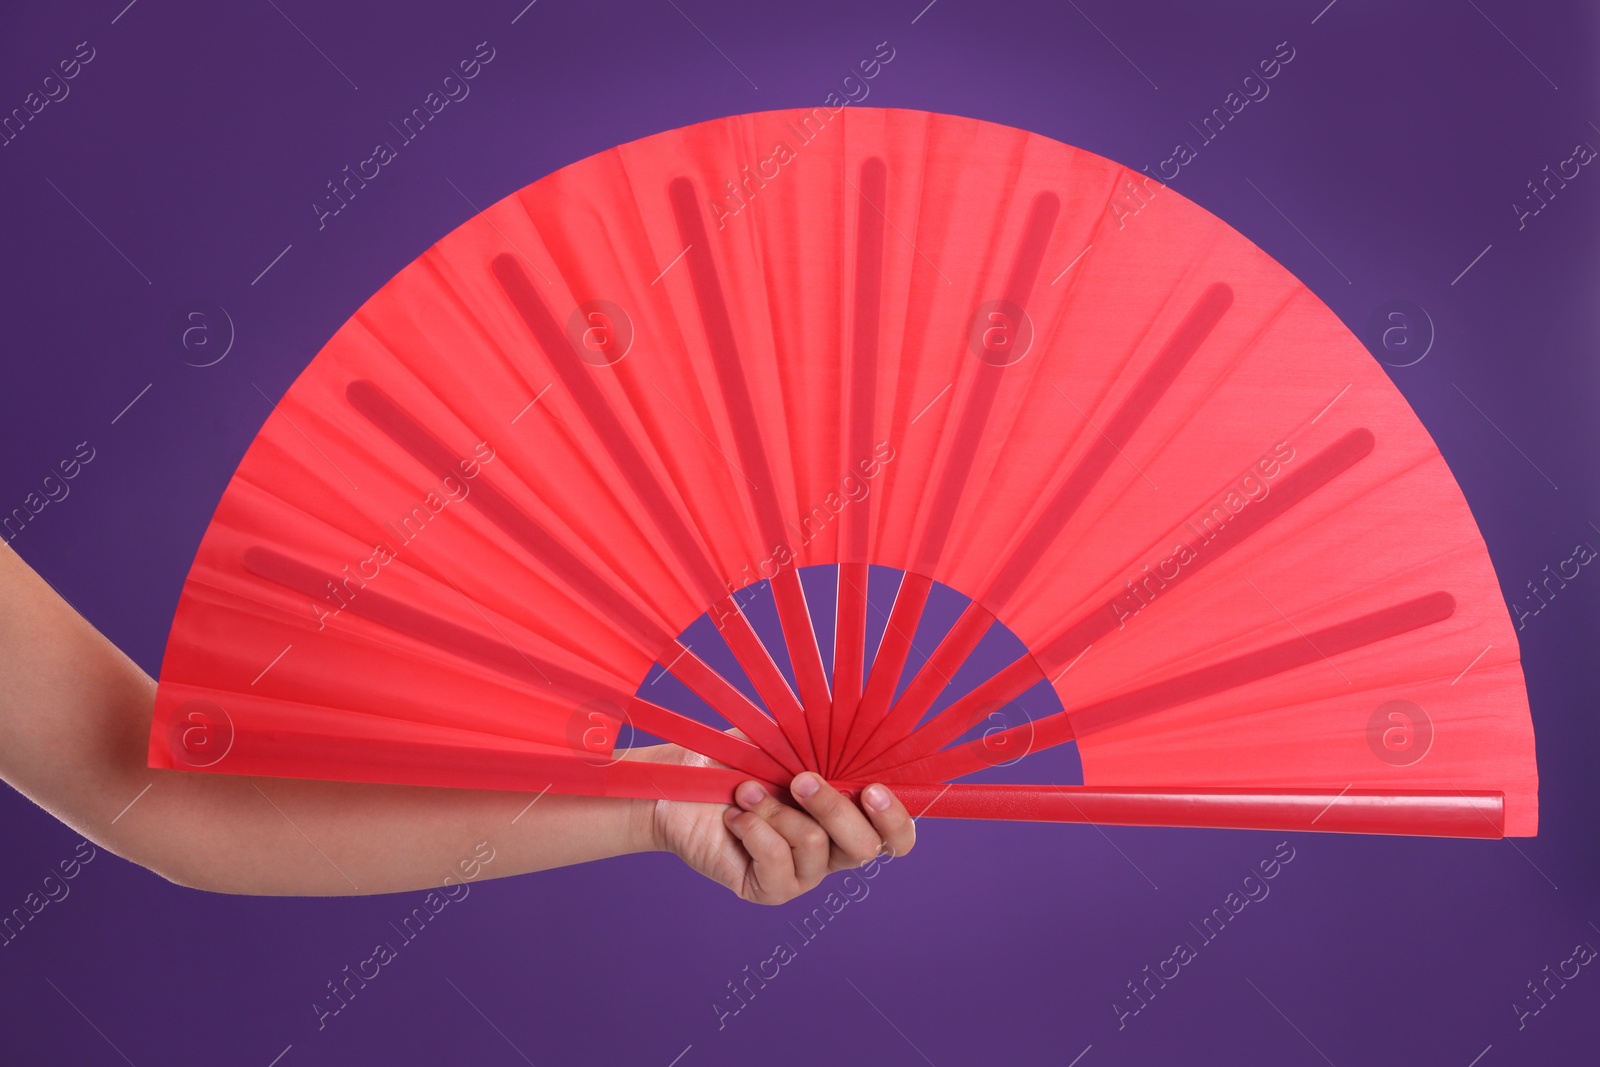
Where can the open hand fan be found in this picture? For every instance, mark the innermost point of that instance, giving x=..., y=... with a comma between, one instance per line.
x=695, y=434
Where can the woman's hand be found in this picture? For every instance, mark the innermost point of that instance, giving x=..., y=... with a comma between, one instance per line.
x=75, y=733
x=770, y=852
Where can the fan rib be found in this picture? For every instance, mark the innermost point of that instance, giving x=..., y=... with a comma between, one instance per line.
x=735, y=388
x=577, y=377
x=965, y=444
x=1175, y=354
x=706, y=740
x=850, y=624
x=511, y=662
x=1114, y=438
x=763, y=672
x=539, y=543
x=733, y=706
x=965, y=713
x=1199, y=684
x=944, y=500
x=265, y=751
x=411, y=436
x=1006, y=685
x=889, y=662
x=849, y=657
x=725, y=357
x=1319, y=472
x=504, y=658
x=925, y=686
x=806, y=659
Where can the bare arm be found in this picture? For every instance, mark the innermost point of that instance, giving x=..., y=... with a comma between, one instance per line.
x=74, y=727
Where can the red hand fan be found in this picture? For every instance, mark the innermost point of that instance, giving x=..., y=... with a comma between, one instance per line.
x=697, y=433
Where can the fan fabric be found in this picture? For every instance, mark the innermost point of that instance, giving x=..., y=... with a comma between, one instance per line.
x=881, y=342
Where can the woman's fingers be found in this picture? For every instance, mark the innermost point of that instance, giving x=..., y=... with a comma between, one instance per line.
x=889, y=815
x=808, y=841
x=856, y=840
x=791, y=850
x=771, y=878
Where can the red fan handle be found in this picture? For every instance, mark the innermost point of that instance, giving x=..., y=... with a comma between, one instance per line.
x=524, y=767
x=1350, y=811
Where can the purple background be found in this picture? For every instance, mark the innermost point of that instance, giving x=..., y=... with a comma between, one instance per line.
x=1396, y=141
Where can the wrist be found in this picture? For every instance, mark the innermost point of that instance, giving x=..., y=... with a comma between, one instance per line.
x=643, y=829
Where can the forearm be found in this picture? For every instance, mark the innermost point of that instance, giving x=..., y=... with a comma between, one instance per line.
x=74, y=725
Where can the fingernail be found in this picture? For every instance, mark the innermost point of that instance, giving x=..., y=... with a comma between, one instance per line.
x=750, y=794
x=876, y=797
x=731, y=815
x=805, y=785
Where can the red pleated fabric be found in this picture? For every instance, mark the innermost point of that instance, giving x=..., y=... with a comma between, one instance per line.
x=489, y=508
